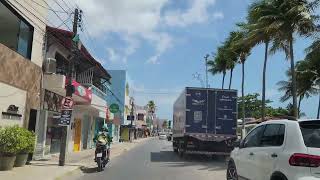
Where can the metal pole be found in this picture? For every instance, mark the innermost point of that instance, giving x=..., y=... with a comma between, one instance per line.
x=69, y=91
x=131, y=118
x=206, y=61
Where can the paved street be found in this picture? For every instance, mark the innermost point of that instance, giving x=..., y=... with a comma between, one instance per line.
x=155, y=160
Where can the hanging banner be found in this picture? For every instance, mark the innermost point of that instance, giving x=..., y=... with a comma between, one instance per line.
x=81, y=91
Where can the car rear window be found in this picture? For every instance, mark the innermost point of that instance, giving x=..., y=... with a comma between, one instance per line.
x=311, y=133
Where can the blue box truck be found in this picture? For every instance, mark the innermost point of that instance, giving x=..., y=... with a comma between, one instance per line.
x=205, y=121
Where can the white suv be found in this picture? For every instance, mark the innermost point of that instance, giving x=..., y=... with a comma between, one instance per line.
x=278, y=150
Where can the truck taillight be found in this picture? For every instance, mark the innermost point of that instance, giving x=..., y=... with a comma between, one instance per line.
x=190, y=142
x=304, y=160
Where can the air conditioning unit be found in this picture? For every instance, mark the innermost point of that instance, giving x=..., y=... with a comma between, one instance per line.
x=50, y=65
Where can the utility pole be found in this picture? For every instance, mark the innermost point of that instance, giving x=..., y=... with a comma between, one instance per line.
x=206, y=61
x=131, y=118
x=69, y=89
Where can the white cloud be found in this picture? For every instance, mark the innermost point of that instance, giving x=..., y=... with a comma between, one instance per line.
x=113, y=56
x=197, y=13
x=218, y=15
x=138, y=21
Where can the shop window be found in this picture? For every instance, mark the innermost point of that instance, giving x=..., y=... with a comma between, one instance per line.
x=15, y=32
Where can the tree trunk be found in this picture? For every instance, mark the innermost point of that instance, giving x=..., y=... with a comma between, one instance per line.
x=223, y=76
x=318, y=114
x=300, y=99
x=263, y=112
x=243, y=103
x=230, y=81
x=294, y=81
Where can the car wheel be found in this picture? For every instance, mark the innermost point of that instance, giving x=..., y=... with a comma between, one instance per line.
x=278, y=176
x=232, y=172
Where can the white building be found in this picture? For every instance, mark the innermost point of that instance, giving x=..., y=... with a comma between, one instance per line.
x=22, y=29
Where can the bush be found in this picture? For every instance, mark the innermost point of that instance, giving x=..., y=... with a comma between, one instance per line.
x=9, y=141
x=15, y=140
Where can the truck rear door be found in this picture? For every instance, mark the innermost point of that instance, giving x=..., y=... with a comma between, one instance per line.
x=226, y=112
x=196, y=110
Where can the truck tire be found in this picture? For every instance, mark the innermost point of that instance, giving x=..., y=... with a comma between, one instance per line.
x=175, y=150
x=181, y=151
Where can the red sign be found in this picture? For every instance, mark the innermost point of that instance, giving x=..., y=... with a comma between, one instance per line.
x=107, y=115
x=81, y=91
x=67, y=103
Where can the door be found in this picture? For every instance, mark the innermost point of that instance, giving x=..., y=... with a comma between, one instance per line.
x=32, y=120
x=266, y=157
x=32, y=125
x=245, y=162
x=77, y=135
x=226, y=112
x=196, y=113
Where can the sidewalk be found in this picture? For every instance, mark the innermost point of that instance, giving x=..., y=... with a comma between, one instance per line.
x=48, y=170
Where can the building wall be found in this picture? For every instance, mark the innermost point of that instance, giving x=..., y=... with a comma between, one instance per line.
x=118, y=87
x=36, y=16
x=11, y=95
x=20, y=73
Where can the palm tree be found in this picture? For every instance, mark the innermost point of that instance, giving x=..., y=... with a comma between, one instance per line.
x=258, y=34
x=219, y=64
x=230, y=55
x=312, y=57
x=242, y=50
x=151, y=106
x=284, y=18
x=305, y=87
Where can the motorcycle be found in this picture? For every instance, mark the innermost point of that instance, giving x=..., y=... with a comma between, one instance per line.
x=101, y=155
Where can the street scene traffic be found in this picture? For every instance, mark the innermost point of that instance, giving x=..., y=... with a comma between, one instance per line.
x=160, y=89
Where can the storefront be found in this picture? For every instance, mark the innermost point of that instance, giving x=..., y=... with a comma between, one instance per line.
x=53, y=133
x=51, y=106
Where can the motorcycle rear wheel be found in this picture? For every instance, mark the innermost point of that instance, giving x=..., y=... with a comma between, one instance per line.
x=100, y=164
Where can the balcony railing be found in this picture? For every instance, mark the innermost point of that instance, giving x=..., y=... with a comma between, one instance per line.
x=98, y=92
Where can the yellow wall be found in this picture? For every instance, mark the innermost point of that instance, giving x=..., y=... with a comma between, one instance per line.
x=125, y=134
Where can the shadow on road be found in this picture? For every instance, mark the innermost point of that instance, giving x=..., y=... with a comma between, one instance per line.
x=171, y=159
x=88, y=170
x=51, y=164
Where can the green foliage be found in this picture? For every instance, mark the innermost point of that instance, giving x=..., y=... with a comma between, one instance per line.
x=151, y=106
x=253, y=107
x=165, y=124
x=14, y=140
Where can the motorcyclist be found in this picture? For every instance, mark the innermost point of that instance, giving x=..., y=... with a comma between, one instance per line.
x=103, y=135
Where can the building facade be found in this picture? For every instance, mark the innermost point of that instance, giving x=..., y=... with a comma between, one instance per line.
x=90, y=81
x=117, y=96
x=22, y=47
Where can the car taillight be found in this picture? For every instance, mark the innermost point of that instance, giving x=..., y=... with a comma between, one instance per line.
x=304, y=160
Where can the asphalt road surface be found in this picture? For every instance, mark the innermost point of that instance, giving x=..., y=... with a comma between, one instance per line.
x=155, y=160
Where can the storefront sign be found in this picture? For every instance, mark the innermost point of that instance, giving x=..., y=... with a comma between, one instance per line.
x=67, y=103
x=12, y=113
x=81, y=91
x=65, y=118
x=114, y=108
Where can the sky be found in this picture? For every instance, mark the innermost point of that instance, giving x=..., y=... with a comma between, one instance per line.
x=162, y=43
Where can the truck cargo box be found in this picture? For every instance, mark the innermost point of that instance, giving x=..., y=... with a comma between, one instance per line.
x=205, y=111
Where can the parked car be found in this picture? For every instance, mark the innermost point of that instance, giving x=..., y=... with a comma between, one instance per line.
x=278, y=150
x=162, y=136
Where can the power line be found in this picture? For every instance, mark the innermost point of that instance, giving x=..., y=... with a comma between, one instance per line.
x=68, y=4
x=42, y=16
x=70, y=9
x=22, y=13
x=60, y=6
x=35, y=2
x=57, y=15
